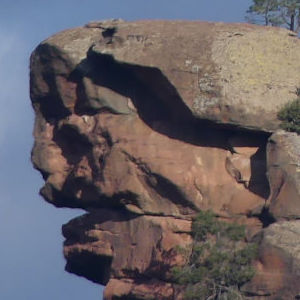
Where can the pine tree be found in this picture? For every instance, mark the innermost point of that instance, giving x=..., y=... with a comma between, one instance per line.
x=283, y=13
x=263, y=12
x=290, y=13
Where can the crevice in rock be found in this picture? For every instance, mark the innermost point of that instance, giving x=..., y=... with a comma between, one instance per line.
x=259, y=183
x=96, y=216
x=91, y=197
x=161, y=185
x=266, y=217
x=168, y=190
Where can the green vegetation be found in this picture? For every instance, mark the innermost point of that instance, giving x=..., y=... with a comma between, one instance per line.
x=219, y=261
x=290, y=116
x=284, y=13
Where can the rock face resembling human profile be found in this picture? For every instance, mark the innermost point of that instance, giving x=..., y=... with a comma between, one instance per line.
x=144, y=124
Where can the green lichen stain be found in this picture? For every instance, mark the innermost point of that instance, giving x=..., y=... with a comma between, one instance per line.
x=259, y=66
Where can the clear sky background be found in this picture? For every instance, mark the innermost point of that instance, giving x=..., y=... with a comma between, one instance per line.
x=31, y=260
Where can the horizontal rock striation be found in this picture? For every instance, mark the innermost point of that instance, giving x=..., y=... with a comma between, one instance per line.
x=144, y=124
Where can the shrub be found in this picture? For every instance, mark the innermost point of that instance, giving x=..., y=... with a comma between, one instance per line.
x=220, y=260
x=203, y=224
x=290, y=116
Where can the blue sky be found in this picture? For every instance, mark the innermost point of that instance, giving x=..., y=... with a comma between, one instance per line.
x=31, y=260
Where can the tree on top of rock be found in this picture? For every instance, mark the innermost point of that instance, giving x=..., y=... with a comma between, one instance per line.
x=263, y=12
x=283, y=13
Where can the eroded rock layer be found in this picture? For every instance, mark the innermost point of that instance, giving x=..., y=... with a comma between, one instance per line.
x=143, y=124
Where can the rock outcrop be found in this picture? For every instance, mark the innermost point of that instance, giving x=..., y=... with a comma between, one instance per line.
x=279, y=264
x=284, y=177
x=143, y=124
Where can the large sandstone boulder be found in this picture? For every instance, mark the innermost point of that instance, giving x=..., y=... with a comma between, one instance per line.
x=143, y=124
x=233, y=74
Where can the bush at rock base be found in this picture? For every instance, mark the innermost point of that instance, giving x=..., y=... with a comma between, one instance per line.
x=290, y=116
x=219, y=260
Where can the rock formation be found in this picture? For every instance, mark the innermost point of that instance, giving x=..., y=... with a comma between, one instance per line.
x=143, y=124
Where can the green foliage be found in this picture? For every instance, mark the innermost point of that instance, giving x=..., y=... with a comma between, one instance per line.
x=204, y=223
x=219, y=262
x=275, y=12
x=263, y=12
x=290, y=116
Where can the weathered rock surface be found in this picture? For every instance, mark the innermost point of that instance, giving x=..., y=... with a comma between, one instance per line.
x=230, y=74
x=279, y=265
x=143, y=124
x=138, y=252
x=284, y=175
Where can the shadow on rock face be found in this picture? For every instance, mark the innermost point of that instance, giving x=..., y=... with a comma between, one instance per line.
x=152, y=95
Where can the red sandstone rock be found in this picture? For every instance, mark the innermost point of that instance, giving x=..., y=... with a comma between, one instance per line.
x=122, y=131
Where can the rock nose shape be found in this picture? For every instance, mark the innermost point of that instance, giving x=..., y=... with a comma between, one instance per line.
x=144, y=124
